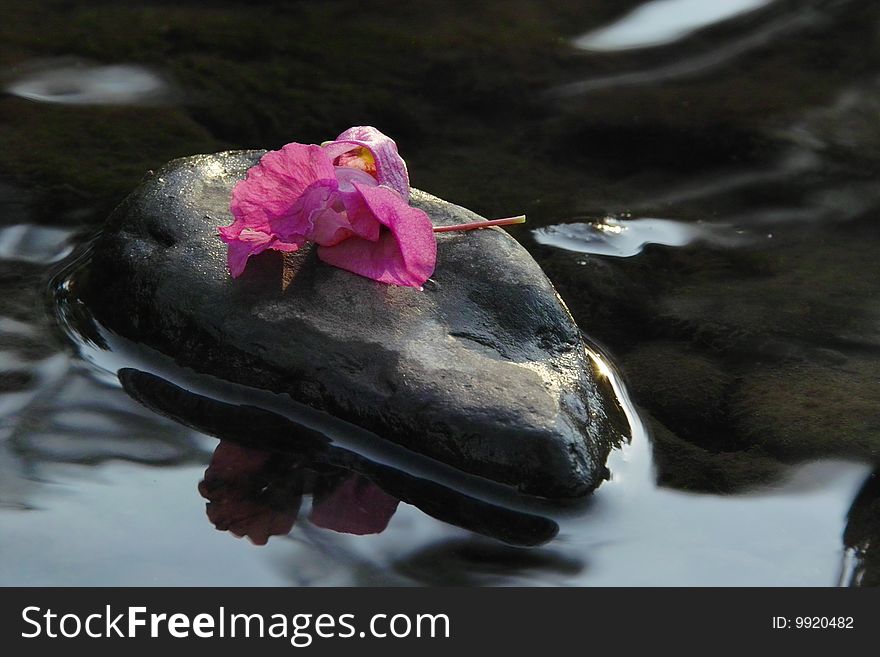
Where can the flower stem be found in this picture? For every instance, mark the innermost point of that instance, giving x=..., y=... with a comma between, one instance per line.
x=509, y=221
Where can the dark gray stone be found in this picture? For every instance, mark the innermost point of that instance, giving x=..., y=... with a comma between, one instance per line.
x=484, y=370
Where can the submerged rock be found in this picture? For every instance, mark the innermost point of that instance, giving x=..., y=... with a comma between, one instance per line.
x=484, y=370
x=862, y=534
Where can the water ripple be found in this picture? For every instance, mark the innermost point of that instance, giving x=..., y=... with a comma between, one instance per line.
x=37, y=244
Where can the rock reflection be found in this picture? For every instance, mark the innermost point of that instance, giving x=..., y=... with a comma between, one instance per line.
x=266, y=464
x=475, y=562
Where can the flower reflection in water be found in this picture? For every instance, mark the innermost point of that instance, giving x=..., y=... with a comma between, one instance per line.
x=258, y=494
x=248, y=495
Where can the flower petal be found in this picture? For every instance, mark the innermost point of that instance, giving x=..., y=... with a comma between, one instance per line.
x=347, y=176
x=390, y=169
x=275, y=206
x=404, y=254
x=331, y=227
x=362, y=222
x=248, y=243
x=341, y=218
x=266, y=199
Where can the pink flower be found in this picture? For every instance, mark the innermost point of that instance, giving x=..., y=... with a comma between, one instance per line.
x=348, y=196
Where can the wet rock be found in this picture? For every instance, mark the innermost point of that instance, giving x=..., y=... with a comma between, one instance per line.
x=483, y=370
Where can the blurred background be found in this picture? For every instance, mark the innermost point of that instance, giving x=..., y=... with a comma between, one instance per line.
x=701, y=183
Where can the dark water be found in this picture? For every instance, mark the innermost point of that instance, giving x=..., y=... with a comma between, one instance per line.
x=701, y=181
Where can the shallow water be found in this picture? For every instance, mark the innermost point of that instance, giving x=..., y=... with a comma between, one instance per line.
x=624, y=238
x=80, y=83
x=664, y=21
x=703, y=192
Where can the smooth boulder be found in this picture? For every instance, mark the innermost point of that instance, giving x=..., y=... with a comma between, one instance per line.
x=484, y=369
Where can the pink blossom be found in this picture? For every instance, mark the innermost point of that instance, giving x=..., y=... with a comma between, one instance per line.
x=406, y=249
x=349, y=197
x=363, y=147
